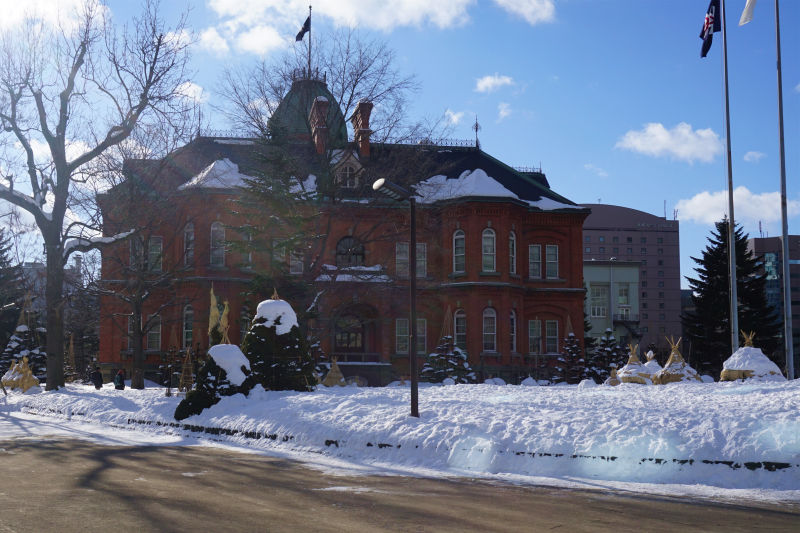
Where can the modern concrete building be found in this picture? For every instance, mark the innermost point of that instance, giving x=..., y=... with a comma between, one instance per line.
x=612, y=300
x=621, y=234
x=771, y=251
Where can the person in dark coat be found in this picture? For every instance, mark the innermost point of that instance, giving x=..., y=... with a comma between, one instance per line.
x=119, y=380
x=97, y=378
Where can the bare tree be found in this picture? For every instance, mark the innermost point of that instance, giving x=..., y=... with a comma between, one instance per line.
x=68, y=96
x=354, y=68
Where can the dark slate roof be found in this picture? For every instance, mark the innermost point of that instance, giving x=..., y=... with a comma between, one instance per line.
x=291, y=116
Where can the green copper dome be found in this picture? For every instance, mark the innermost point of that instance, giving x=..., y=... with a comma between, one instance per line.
x=291, y=116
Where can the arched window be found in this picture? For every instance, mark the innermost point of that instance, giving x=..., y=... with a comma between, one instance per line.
x=188, y=244
x=349, y=253
x=217, y=244
x=489, y=330
x=488, y=250
x=512, y=253
x=459, y=251
x=460, y=329
x=512, y=326
x=347, y=176
x=187, y=326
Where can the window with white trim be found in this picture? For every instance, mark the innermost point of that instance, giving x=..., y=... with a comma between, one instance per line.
x=460, y=329
x=401, y=259
x=534, y=336
x=188, y=244
x=512, y=253
x=534, y=261
x=489, y=330
x=512, y=326
x=551, y=338
x=598, y=301
x=459, y=251
x=154, y=333
x=217, y=257
x=551, y=258
x=401, y=334
x=488, y=250
x=187, y=326
x=155, y=248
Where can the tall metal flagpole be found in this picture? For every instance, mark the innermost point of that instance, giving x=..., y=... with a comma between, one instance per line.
x=309, y=42
x=787, y=297
x=734, y=320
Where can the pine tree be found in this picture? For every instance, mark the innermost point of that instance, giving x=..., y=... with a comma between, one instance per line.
x=708, y=327
x=571, y=366
x=10, y=290
x=278, y=361
x=606, y=355
x=448, y=361
x=30, y=343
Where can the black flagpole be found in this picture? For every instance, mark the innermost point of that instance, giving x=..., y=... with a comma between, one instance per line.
x=309, y=42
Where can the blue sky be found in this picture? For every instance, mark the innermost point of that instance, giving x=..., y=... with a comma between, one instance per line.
x=610, y=96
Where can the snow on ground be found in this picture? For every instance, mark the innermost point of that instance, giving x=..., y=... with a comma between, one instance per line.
x=721, y=440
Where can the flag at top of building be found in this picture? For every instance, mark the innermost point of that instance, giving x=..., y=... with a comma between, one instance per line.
x=305, y=29
x=711, y=24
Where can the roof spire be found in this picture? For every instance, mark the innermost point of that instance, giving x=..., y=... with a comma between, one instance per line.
x=477, y=128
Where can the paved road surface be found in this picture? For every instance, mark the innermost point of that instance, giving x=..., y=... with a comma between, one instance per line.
x=68, y=485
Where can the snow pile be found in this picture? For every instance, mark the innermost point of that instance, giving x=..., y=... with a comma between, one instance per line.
x=651, y=365
x=221, y=174
x=749, y=362
x=277, y=313
x=230, y=359
x=469, y=183
x=745, y=438
x=634, y=371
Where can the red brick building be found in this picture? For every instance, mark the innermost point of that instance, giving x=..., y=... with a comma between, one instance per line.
x=499, y=254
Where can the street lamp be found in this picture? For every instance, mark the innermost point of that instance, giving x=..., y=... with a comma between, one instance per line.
x=399, y=194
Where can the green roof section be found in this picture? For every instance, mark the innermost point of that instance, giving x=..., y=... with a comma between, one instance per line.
x=291, y=116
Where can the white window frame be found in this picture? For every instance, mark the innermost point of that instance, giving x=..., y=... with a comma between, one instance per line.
x=460, y=329
x=488, y=250
x=598, y=301
x=551, y=261
x=155, y=253
x=551, y=336
x=535, y=261
x=512, y=253
x=401, y=259
x=153, y=340
x=187, y=326
x=188, y=244
x=512, y=325
x=217, y=244
x=401, y=334
x=489, y=330
x=459, y=251
x=535, y=336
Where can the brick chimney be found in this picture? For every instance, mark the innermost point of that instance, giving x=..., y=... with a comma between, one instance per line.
x=360, y=121
x=319, y=125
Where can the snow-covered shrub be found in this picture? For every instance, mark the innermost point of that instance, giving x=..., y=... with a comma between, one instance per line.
x=448, y=361
x=222, y=374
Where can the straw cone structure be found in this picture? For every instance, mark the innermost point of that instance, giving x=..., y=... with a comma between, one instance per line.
x=634, y=371
x=676, y=369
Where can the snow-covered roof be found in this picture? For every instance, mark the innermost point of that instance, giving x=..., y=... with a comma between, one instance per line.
x=277, y=313
x=230, y=359
x=469, y=183
x=221, y=174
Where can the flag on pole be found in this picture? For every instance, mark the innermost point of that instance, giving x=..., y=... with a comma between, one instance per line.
x=711, y=24
x=747, y=14
x=305, y=29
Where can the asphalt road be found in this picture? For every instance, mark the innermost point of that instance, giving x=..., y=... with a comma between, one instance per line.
x=70, y=486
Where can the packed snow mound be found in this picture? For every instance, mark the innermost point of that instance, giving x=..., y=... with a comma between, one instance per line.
x=230, y=359
x=221, y=174
x=749, y=362
x=651, y=365
x=587, y=384
x=529, y=382
x=495, y=381
x=277, y=313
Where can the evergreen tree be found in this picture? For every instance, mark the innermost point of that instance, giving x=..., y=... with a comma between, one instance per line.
x=448, y=361
x=605, y=356
x=571, y=367
x=10, y=290
x=30, y=343
x=211, y=385
x=708, y=326
x=279, y=359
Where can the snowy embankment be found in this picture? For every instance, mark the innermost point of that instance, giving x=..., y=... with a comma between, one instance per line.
x=720, y=435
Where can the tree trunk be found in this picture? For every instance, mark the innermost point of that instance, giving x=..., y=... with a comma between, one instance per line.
x=54, y=299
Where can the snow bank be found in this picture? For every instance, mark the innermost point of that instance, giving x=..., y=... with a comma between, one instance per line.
x=277, y=313
x=745, y=437
x=231, y=359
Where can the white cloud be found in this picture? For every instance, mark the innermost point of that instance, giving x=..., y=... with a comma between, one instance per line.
x=211, y=40
x=797, y=87
x=709, y=207
x=453, y=117
x=596, y=170
x=503, y=111
x=489, y=84
x=260, y=40
x=681, y=142
x=753, y=157
x=533, y=11
x=191, y=90
x=50, y=12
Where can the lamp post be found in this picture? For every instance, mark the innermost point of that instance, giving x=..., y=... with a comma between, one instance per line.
x=399, y=194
